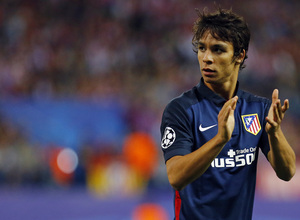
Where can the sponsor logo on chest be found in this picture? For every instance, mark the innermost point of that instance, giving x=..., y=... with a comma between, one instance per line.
x=236, y=158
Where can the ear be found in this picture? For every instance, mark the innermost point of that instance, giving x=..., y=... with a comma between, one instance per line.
x=241, y=57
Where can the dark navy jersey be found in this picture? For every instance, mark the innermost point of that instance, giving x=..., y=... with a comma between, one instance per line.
x=226, y=189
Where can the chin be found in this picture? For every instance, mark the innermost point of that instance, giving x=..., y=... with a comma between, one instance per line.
x=210, y=78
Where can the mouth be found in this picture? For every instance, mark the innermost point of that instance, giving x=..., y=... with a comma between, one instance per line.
x=208, y=71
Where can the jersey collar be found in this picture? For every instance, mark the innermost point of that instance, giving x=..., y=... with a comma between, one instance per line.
x=215, y=98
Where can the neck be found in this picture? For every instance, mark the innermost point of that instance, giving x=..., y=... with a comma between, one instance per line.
x=226, y=90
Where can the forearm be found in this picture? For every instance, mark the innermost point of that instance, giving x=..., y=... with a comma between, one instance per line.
x=183, y=170
x=281, y=156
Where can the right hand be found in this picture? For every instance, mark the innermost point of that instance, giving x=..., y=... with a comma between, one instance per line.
x=226, y=120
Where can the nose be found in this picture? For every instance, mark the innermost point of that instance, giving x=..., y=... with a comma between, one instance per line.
x=207, y=57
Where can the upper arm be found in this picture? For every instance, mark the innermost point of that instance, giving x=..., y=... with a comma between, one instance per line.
x=176, y=131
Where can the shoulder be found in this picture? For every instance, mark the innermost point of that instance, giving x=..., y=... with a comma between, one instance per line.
x=249, y=97
x=251, y=102
x=185, y=100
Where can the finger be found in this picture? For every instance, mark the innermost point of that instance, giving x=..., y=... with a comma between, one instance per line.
x=271, y=122
x=275, y=95
x=231, y=107
x=286, y=106
x=227, y=113
x=230, y=102
x=275, y=112
x=279, y=110
x=234, y=101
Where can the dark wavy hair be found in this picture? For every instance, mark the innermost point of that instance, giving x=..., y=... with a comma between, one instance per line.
x=223, y=25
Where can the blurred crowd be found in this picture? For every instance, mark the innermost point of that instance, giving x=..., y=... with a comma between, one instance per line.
x=136, y=53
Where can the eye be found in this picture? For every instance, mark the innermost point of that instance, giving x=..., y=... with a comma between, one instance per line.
x=201, y=48
x=219, y=50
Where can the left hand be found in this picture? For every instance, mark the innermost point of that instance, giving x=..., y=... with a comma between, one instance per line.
x=276, y=113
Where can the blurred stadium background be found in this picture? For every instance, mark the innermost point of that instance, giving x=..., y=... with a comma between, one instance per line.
x=83, y=84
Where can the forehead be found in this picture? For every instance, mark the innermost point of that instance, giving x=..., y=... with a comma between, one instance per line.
x=208, y=38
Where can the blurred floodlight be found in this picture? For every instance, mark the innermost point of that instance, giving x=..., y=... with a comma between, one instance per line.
x=67, y=160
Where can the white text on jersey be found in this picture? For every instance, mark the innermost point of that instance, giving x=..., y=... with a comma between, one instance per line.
x=236, y=158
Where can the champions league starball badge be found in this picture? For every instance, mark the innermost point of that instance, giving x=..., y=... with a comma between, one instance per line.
x=168, y=138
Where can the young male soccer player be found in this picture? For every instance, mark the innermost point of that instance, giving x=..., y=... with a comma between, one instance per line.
x=211, y=134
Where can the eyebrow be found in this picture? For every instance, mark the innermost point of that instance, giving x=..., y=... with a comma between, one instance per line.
x=214, y=45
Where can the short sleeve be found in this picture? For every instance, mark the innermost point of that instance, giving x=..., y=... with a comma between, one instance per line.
x=176, y=132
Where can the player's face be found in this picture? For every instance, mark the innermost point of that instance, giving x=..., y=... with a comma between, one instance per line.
x=217, y=63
